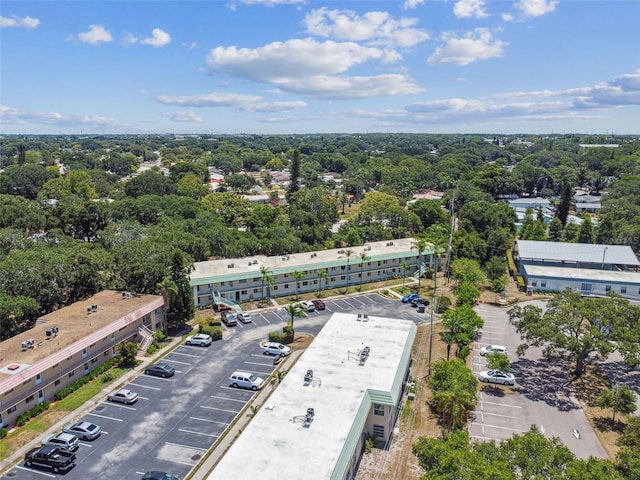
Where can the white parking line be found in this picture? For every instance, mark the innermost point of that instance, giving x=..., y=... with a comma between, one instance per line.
x=181, y=363
x=104, y=416
x=35, y=471
x=499, y=404
x=187, y=354
x=85, y=445
x=145, y=386
x=265, y=318
x=496, y=415
x=120, y=406
x=208, y=421
x=198, y=433
x=184, y=446
x=270, y=364
x=230, y=399
x=219, y=409
x=143, y=398
x=496, y=426
x=158, y=378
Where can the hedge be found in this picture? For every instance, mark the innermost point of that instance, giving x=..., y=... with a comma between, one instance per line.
x=34, y=412
x=86, y=379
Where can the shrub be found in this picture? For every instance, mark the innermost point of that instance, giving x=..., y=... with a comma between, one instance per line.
x=280, y=337
x=158, y=336
x=3, y=433
x=152, y=349
x=86, y=379
x=212, y=321
x=444, y=303
x=216, y=333
x=35, y=411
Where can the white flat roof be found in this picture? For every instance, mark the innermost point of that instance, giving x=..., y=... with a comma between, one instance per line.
x=576, y=252
x=210, y=271
x=583, y=274
x=277, y=439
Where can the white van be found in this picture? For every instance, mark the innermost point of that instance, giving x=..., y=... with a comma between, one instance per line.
x=494, y=349
x=246, y=380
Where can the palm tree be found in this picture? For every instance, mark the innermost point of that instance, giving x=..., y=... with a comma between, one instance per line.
x=324, y=277
x=294, y=310
x=405, y=267
x=169, y=291
x=348, y=252
x=298, y=276
x=454, y=406
x=421, y=245
x=266, y=277
x=363, y=258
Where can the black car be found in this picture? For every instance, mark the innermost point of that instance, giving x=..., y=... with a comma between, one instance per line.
x=158, y=476
x=160, y=370
x=418, y=301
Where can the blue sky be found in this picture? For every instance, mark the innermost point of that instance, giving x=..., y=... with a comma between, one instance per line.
x=295, y=66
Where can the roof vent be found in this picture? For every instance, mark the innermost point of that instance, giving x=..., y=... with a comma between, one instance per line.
x=308, y=417
x=231, y=265
x=125, y=295
x=340, y=251
x=363, y=317
x=367, y=248
x=364, y=354
x=389, y=244
x=255, y=262
x=308, y=377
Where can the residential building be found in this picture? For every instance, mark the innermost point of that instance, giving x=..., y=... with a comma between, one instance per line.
x=69, y=343
x=240, y=279
x=592, y=269
x=346, y=387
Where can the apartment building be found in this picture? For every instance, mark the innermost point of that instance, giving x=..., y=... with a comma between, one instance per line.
x=71, y=342
x=241, y=279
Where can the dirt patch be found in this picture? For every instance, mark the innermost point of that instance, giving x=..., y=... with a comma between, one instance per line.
x=397, y=462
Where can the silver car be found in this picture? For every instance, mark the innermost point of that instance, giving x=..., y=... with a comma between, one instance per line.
x=65, y=441
x=244, y=317
x=496, y=376
x=83, y=430
x=123, y=396
x=201, y=340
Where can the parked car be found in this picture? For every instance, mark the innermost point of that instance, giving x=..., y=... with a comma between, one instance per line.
x=275, y=348
x=494, y=349
x=418, y=301
x=408, y=297
x=245, y=317
x=308, y=306
x=246, y=380
x=496, y=376
x=158, y=476
x=229, y=319
x=83, y=430
x=65, y=441
x=201, y=340
x=123, y=396
x=163, y=370
x=50, y=457
x=319, y=304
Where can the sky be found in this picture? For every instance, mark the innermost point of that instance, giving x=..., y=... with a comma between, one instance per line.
x=305, y=66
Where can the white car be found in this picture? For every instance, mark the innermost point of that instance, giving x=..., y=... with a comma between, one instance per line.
x=246, y=380
x=496, y=376
x=308, y=306
x=494, y=349
x=275, y=348
x=244, y=317
x=201, y=340
x=123, y=396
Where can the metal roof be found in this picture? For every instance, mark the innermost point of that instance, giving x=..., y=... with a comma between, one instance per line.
x=576, y=252
x=610, y=276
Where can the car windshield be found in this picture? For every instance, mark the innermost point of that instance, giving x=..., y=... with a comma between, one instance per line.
x=91, y=427
x=281, y=346
x=253, y=378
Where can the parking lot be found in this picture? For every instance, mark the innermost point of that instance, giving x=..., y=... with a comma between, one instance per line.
x=177, y=419
x=540, y=397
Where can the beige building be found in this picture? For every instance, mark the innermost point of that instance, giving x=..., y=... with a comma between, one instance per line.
x=69, y=343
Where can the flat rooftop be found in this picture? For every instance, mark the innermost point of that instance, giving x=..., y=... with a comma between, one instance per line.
x=341, y=393
x=73, y=322
x=232, y=268
x=583, y=274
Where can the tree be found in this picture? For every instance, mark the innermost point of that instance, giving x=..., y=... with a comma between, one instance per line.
x=606, y=230
x=405, y=268
x=467, y=270
x=572, y=328
x=17, y=314
x=566, y=195
x=348, y=252
x=498, y=361
x=169, y=291
x=495, y=268
x=266, y=276
x=363, y=258
x=128, y=352
x=454, y=406
x=555, y=230
x=630, y=437
x=619, y=399
x=467, y=293
x=294, y=184
x=462, y=323
x=298, y=276
x=324, y=279
x=420, y=244
x=586, y=233
x=294, y=310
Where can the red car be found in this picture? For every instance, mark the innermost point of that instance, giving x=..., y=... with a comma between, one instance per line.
x=319, y=304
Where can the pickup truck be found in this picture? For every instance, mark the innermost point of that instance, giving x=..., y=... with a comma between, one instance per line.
x=51, y=457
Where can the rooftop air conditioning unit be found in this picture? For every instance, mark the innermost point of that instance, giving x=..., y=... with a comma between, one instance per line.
x=28, y=344
x=231, y=265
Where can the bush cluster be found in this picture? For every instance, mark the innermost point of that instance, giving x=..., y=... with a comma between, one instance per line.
x=210, y=326
x=3, y=433
x=285, y=337
x=84, y=380
x=34, y=412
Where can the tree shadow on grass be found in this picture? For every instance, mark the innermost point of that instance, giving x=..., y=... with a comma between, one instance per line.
x=605, y=424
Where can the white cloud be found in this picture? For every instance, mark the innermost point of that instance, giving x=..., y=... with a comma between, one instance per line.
x=11, y=115
x=159, y=38
x=475, y=45
x=190, y=46
x=96, y=34
x=470, y=8
x=274, y=106
x=209, y=100
x=507, y=17
x=411, y=4
x=374, y=28
x=342, y=87
x=271, y=3
x=536, y=8
x=18, y=22
x=188, y=117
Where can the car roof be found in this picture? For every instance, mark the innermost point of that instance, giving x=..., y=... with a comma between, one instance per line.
x=201, y=335
x=62, y=435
